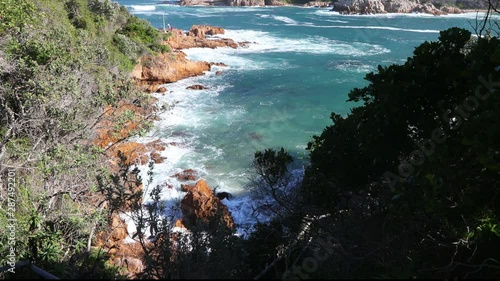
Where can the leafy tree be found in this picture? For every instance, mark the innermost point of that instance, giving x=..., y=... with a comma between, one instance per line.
x=424, y=146
x=273, y=177
x=15, y=14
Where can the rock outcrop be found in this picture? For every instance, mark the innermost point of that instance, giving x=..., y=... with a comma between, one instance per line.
x=427, y=8
x=233, y=3
x=201, y=207
x=196, y=38
x=359, y=7
x=187, y=175
x=384, y=6
x=202, y=31
x=224, y=195
x=451, y=10
x=196, y=87
x=245, y=2
x=275, y=3
x=400, y=6
x=137, y=153
x=318, y=4
x=195, y=3
x=125, y=256
x=152, y=71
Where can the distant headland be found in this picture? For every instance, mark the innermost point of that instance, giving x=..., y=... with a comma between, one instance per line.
x=356, y=7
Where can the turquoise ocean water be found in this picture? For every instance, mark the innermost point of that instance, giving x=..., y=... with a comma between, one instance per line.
x=279, y=91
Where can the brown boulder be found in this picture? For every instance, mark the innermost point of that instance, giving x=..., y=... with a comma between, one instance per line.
x=132, y=266
x=196, y=38
x=118, y=229
x=153, y=71
x=451, y=10
x=224, y=195
x=161, y=90
x=244, y=44
x=245, y=2
x=193, y=3
x=157, y=145
x=202, y=30
x=200, y=205
x=275, y=3
x=428, y=8
x=156, y=157
x=196, y=87
x=218, y=64
x=187, y=175
x=187, y=187
x=218, y=72
x=178, y=223
x=317, y=4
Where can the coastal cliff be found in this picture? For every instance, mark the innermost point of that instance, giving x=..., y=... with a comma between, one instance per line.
x=348, y=6
x=390, y=6
x=239, y=3
x=154, y=70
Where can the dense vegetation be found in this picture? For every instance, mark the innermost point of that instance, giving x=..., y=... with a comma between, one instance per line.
x=420, y=159
x=61, y=63
x=405, y=186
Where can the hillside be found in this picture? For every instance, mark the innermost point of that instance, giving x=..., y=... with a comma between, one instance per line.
x=64, y=72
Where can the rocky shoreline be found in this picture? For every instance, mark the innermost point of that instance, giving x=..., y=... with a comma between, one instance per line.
x=200, y=203
x=391, y=6
x=348, y=7
x=153, y=71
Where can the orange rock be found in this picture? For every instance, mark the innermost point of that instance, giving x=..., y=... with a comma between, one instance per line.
x=218, y=64
x=156, y=157
x=161, y=90
x=178, y=223
x=201, y=30
x=187, y=175
x=157, y=145
x=119, y=229
x=135, y=152
x=196, y=87
x=187, y=187
x=111, y=128
x=196, y=38
x=200, y=204
x=166, y=68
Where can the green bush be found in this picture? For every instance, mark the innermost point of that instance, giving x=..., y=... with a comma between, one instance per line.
x=15, y=14
x=420, y=149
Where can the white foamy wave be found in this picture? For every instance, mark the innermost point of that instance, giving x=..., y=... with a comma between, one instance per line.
x=468, y=15
x=234, y=58
x=284, y=19
x=324, y=12
x=337, y=21
x=227, y=55
x=142, y=8
x=266, y=43
x=350, y=66
x=379, y=27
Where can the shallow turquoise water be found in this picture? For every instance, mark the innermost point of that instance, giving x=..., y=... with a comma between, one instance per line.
x=277, y=92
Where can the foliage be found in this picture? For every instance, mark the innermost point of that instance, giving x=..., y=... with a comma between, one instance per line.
x=15, y=14
x=58, y=70
x=272, y=166
x=424, y=145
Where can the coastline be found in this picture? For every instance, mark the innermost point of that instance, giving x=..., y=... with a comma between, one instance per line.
x=154, y=75
x=342, y=6
x=161, y=87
